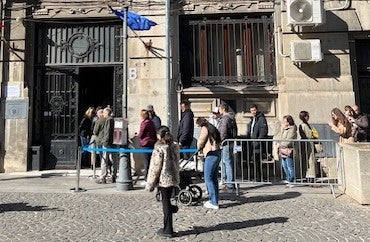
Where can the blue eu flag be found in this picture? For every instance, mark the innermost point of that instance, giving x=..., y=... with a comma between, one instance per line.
x=134, y=21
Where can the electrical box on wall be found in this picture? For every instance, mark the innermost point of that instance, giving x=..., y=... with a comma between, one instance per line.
x=306, y=50
x=305, y=12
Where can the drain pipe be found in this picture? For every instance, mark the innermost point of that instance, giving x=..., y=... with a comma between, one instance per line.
x=345, y=5
x=168, y=63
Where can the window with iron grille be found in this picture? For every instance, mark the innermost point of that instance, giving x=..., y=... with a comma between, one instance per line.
x=227, y=51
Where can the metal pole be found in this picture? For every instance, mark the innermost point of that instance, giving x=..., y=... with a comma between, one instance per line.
x=124, y=181
x=78, y=168
x=168, y=62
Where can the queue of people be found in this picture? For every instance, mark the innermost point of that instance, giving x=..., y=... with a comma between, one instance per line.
x=96, y=131
x=162, y=165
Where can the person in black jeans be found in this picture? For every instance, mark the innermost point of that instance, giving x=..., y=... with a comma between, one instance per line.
x=257, y=129
x=85, y=134
x=164, y=174
x=186, y=128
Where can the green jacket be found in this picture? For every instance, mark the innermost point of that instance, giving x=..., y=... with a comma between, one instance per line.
x=99, y=131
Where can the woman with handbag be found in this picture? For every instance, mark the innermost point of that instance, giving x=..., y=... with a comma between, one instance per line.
x=286, y=148
x=164, y=173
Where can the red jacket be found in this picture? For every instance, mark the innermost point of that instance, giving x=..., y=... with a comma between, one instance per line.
x=147, y=134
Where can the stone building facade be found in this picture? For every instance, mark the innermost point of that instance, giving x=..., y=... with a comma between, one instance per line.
x=60, y=57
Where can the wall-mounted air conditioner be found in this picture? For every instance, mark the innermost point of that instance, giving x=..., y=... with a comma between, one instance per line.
x=305, y=12
x=306, y=50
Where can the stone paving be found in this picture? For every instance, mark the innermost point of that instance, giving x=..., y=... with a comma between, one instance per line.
x=41, y=208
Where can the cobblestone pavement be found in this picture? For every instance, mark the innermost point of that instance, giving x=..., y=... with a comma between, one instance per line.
x=260, y=213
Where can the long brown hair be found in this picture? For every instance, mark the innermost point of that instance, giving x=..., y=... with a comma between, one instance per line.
x=165, y=137
x=213, y=133
x=341, y=118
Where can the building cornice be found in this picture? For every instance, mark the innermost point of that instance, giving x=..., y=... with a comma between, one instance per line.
x=219, y=6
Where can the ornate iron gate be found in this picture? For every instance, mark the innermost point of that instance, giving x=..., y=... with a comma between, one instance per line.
x=59, y=116
x=60, y=49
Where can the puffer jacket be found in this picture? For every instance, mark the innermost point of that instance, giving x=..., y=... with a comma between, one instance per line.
x=164, y=171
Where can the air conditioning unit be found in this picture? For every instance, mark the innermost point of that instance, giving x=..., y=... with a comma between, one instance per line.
x=306, y=50
x=305, y=12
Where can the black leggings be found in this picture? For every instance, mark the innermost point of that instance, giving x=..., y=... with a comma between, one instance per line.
x=166, y=193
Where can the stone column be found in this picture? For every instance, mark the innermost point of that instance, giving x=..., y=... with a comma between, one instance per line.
x=16, y=130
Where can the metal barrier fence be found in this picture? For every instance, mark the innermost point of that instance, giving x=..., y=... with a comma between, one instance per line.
x=316, y=162
x=120, y=151
x=123, y=150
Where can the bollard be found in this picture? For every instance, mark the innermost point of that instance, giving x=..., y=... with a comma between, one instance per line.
x=124, y=181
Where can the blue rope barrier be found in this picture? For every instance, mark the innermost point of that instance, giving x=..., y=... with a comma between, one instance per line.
x=122, y=150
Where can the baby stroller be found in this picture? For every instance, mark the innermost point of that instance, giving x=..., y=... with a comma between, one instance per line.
x=187, y=193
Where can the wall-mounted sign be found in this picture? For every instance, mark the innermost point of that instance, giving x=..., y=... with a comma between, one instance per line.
x=16, y=108
x=13, y=90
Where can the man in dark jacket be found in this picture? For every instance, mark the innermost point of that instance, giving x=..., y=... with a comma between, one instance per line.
x=186, y=128
x=107, y=142
x=362, y=124
x=257, y=129
x=154, y=117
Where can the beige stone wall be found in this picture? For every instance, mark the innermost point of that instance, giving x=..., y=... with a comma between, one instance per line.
x=150, y=84
x=357, y=171
x=317, y=87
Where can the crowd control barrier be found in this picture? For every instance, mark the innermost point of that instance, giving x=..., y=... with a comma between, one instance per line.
x=316, y=162
x=109, y=150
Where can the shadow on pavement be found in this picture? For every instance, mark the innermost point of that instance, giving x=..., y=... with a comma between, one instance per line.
x=275, y=197
x=233, y=226
x=18, y=178
x=8, y=207
x=238, y=200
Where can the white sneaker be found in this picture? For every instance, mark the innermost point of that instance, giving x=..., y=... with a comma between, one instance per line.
x=285, y=182
x=208, y=204
x=221, y=183
x=289, y=185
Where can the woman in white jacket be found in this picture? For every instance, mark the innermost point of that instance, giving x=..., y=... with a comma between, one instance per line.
x=164, y=173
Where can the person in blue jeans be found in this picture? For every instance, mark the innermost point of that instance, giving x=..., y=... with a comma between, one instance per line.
x=209, y=145
x=226, y=128
x=286, y=148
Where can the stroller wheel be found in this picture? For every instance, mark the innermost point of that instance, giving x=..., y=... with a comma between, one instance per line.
x=185, y=197
x=196, y=192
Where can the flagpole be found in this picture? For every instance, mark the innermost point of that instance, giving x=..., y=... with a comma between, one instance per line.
x=168, y=62
x=124, y=181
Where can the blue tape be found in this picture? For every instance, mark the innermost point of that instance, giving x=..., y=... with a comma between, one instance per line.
x=121, y=150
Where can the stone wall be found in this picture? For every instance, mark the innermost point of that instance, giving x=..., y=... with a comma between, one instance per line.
x=356, y=158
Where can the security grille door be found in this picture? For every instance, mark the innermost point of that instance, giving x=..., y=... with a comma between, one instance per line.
x=59, y=115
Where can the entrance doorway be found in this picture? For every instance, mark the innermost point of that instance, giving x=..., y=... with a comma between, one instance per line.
x=65, y=95
x=363, y=76
x=95, y=88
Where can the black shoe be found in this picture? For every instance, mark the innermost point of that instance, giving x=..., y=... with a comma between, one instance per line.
x=113, y=180
x=163, y=234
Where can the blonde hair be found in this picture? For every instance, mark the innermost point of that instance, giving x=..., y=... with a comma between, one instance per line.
x=144, y=114
x=90, y=112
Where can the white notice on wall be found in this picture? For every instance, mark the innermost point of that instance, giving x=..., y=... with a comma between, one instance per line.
x=13, y=91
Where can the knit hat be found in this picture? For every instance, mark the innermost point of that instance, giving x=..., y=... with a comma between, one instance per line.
x=149, y=108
